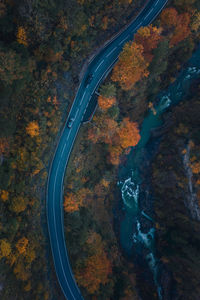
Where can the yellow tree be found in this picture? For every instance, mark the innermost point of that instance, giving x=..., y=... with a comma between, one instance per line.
x=114, y=153
x=131, y=66
x=18, y=204
x=20, y=271
x=4, y=146
x=73, y=201
x=22, y=245
x=5, y=248
x=148, y=37
x=4, y=195
x=21, y=36
x=33, y=129
x=195, y=25
x=105, y=103
x=195, y=167
x=97, y=266
x=128, y=134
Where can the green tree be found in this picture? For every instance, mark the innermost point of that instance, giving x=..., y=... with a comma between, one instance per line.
x=108, y=90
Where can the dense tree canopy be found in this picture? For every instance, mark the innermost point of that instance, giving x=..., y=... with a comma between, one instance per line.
x=131, y=67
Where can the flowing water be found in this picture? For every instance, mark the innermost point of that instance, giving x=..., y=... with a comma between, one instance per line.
x=137, y=227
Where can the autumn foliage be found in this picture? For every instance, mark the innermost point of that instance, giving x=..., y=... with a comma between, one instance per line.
x=136, y=56
x=105, y=103
x=18, y=204
x=22, y=245
x=33, y=129
x=195, y=21
x=195, y=167
x=73, y=201
x=128, y=134
x=169, y=17
x=148, y=37
x=21, y=36
x=4, y=146
x=117, y=136
x=5, y=248
x=178, y=23
x=131, y=66
x=4, y=195
x=182, y=29
x=97, y=266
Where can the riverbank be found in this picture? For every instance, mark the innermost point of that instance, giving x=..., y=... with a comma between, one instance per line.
x=138, y=238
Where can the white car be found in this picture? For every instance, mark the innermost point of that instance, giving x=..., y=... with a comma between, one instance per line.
x=70, y=122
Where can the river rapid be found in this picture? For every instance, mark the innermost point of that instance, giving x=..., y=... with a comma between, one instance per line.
x=137, y=227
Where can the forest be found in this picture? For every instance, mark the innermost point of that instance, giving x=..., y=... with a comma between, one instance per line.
x=177, y=221
x=146, y=66
x=43, y=47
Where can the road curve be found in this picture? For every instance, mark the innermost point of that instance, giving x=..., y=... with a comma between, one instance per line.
x=100, y=66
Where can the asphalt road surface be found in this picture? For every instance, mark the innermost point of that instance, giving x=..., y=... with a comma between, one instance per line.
x=99, y=67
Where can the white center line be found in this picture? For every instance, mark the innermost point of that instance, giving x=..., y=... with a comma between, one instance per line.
x=111, y=52
x=76, y=112
x=122, y=41
x=82, y=97
x=63, y=149
x=99, y=65
x=60, y=258
x=148, y=13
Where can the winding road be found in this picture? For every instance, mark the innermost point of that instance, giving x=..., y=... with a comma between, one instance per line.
x=100, y=66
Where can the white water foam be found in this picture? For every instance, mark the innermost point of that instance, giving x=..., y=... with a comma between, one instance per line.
x=164, y=103
x=151, y=261
x=145, y=238
x=193, y=70
x=188, y=76
x=130, y=192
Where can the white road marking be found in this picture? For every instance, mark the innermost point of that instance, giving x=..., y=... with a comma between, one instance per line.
x=63, y=149
x=99, y=65
x=138, y=26
x=148, y=13
x=57, y=235
x=103, y=75
x=122, y=41
x=61, y=205
x=76, y=112
x=156, y=2
x=111, y=51
x=82, y=97
x=54, y=219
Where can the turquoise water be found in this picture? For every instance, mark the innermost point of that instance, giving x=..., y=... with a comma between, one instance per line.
x=132, y=236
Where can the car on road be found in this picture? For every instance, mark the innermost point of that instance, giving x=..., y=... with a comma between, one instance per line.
x=70, y=122
x=89, y=79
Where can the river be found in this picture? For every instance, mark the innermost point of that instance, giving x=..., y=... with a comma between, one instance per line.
x=137, y=230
